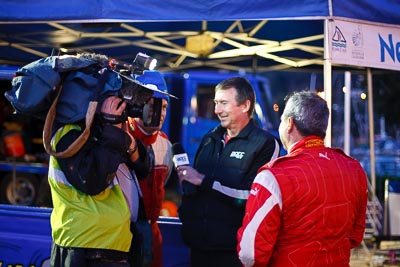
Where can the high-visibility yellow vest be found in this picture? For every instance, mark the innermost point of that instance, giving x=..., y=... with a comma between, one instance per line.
x=80, y=220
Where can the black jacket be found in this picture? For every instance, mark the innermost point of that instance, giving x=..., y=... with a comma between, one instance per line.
x=212, y=216
x=93, y=168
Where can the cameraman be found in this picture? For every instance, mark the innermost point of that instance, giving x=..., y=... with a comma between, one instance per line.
x=156, y=141
x=91, y=217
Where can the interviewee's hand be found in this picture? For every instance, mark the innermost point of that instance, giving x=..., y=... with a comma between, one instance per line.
x=189, y=174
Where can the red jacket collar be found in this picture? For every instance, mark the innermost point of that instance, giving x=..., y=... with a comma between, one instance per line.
x=138, y=133
x=309, y=141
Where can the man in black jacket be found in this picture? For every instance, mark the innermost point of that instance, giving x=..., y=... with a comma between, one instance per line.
x=225, y=165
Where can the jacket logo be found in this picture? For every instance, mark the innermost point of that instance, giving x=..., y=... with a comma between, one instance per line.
x=237, y=154
x=324, y=155
x=254, y=191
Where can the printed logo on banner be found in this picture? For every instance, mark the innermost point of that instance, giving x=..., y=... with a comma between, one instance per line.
x=364, y=45
x=358, y=42
x=339, y=43
x=357, y=37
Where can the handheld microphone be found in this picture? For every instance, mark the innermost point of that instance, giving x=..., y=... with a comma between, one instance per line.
x=180, y=158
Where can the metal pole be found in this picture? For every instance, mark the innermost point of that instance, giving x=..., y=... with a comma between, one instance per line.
x=371, y=140
x=328, y=82
x=347, y=111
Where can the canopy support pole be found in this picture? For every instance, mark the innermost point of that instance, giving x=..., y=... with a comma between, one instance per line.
x=372, y=141
x=328, y=83
x=347, y=111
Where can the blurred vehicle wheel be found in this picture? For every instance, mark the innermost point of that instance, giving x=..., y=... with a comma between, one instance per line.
x=22, y=191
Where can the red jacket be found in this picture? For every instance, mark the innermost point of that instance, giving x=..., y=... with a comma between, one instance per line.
x=305, y=209
x=152, y=186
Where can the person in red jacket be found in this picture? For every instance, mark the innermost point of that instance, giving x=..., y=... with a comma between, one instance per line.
x=307, y=208
x=154, y=139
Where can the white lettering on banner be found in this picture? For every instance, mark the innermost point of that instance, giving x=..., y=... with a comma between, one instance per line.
x=390, y=48
x=237, y=154
x=366, y=45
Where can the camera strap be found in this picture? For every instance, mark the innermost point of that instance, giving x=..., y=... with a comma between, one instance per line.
x=83, y=137
x=113, y=119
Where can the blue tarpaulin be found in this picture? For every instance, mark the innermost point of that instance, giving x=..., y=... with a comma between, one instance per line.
x=384, y=11
x=30, y=30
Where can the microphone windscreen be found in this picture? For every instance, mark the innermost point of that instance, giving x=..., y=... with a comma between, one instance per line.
x=177, y=149
x=180, y=157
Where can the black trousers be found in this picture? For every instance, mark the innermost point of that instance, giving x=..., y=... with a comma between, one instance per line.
x=214, y=258
x=80, y=257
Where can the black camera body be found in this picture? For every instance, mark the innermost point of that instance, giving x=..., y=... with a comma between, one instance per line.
x=150, y=113
x=136, y=94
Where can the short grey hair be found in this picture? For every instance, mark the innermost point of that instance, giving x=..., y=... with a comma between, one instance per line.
x=309, y=111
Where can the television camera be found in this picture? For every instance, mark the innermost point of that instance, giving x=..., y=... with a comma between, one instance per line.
x=137, y=94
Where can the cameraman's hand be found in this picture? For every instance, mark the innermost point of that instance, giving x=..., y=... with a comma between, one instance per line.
x=113, y=107
x=133, y=148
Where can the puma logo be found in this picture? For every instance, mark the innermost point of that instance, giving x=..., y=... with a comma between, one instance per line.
x=324, y=155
